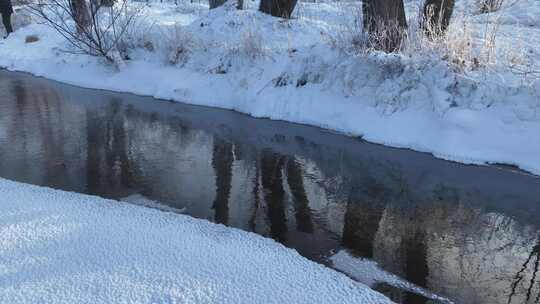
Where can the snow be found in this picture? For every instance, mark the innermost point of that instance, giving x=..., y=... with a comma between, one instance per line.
x=368, y=272
x=61, y=247
x=288, y=70
x=141, y=200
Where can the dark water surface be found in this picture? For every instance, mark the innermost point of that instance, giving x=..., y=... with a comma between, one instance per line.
x=464, y=232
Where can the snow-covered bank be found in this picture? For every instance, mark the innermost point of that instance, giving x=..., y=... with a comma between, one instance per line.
x=60, y=247
x=262, y=66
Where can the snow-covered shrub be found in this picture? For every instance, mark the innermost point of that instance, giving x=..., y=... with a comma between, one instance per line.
x=528, y=70
x=456, y=46
x=466, y=46
x=177, y=43
x=488, y=6
x=250, y=47
x=94, y=28
x=349, y=36
x=251, y=44
x=349, y=41
x=140, y=35
x=21, y=18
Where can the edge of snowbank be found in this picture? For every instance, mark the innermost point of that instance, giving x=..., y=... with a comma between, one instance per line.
x=66, y=247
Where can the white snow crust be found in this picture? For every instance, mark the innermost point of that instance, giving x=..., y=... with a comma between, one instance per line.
x=61, y=247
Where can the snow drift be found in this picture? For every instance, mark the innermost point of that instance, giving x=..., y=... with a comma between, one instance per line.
x=60, y=247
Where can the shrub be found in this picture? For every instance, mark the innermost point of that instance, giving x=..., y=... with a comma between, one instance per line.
x=488, y=6
x=93, y=28
x=177, y=44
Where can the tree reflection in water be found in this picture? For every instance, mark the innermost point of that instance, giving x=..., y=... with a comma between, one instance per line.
x=463, y=232
x=520, y=276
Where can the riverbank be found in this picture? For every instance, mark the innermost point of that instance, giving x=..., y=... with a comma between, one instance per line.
x=265, y=67
x=65, y=247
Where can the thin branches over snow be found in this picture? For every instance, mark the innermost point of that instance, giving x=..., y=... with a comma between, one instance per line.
x=436, y=17
x=94, y=28
x=489, y=6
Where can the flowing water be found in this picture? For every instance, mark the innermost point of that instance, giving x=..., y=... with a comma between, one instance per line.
x=467, y=233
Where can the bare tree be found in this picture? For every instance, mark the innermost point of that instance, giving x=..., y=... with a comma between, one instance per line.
x=436, y=16
x=384, y=23
x=278, y=8
x=99, y=28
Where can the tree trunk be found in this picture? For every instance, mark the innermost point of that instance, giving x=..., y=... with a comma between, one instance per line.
x=80, y=14
x=437, y=14
x=240, y=4
x=107, y=3
x=216, y=3
x=385, y=23
x=278, y=8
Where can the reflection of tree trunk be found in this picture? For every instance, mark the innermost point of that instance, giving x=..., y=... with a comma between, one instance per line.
x=364, y=212
x=53, y=146
x=119, y=169
x=120, y=148
x=416, y=267
x=94, y=141
x=222, y=161
x=272, y=182
x=18, y=121
x=239, y=153
x=117, y=148
x=256, y=199
x=534, y=255
x=301, y=203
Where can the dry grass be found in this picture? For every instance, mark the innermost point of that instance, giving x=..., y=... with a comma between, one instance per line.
x=178, y=44
x=466, y=46
x=488, y=6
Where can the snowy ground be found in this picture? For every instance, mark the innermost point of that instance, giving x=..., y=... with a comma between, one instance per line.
x=60, y=247
x=368, y=272
x=291, y=70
